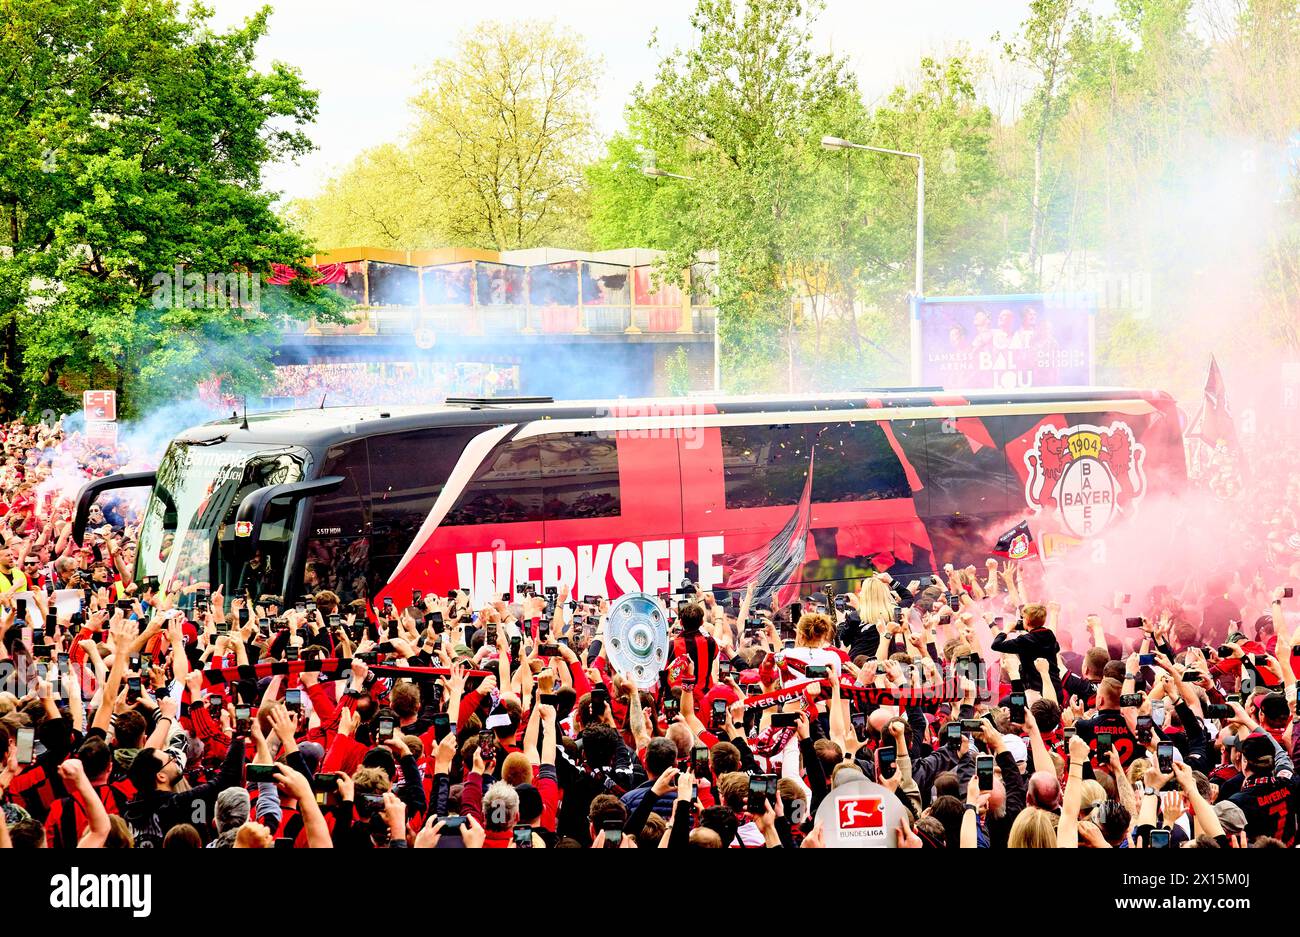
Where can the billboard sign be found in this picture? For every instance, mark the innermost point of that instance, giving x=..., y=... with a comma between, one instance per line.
x=1003, y=342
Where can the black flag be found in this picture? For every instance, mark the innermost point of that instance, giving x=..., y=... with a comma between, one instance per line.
x=1017, y=543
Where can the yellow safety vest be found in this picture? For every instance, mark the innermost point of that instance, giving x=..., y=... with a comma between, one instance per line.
x=18, y=582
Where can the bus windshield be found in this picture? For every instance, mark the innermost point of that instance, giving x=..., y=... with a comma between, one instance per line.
x=188, y=533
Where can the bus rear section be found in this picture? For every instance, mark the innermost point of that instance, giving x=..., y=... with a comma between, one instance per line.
x=785, y=499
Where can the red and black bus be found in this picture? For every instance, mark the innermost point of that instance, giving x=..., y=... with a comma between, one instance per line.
x=637, y=495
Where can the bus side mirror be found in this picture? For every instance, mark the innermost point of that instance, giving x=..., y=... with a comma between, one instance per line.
x=252, y=510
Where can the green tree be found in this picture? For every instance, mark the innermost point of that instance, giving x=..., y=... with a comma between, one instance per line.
x=736, y=112
x=502, y=134
x=384, y=198
x=132, y=141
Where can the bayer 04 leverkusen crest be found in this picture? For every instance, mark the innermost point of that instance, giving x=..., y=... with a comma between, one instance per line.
x=1085, y=476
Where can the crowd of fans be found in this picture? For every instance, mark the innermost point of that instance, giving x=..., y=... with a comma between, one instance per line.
x=187, y=719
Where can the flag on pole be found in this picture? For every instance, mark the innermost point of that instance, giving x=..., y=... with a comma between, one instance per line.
x=1017, y=543
x=1213, y=425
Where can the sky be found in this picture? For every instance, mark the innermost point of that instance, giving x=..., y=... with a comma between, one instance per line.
x=366, y=60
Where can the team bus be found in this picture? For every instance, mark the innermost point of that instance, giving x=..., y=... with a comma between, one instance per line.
x=637, y=495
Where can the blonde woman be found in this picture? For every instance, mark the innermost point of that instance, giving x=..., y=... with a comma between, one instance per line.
x=875, y=607
x=1034, y=829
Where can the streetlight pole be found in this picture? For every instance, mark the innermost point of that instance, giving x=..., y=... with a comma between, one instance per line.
x=836, y=143
x=656, y=173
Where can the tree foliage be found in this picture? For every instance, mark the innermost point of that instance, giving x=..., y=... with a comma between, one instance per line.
x=502, y=134
x=132, y=141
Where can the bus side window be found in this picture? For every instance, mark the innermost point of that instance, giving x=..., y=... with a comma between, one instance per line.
x=506, y=488
x=964, y=474
x=764, y=466
x=407, y=472
x=579, y=476
x=856, y=463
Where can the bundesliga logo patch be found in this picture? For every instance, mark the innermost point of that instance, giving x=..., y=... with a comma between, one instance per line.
x=860, y=817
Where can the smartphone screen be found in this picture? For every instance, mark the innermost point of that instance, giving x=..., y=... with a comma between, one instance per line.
x=26, y=743
x=441, y=726
x=1165, y=757
x=293, y=698
x=984, y=770
x=1017, y=707
x=888, y=757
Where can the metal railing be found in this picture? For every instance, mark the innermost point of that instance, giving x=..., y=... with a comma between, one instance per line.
x=509, y=320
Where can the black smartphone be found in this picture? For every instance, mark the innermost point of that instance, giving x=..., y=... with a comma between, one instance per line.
x=1218, y=711
x=523, y=836
x=724, y=669
x=718, y=714
x=599, y=700
x=1159, y=838
x=887, y=756
x=1017, y=706
x=243, y=720
x=972, y=725
x=984, y=771
x=757, y=795
x=952, y=734
x=613, y=833
x=547, y=650
x=1131, y=699
x=1287, y=592
x=700, y=761
x=859, y=723
x=441, y=726
x=133, y=687
x=516, y=644
x=784, y=720
x=1165, y=757
x=1145, y=727
x=255, y=773
x=293, y=699
x=1104, y=742
x=816, y=671
x=291, y=652
x=385, y=729
x=325, y=783
x=954, y=602
x=1132, y=622
x=1070, y=732
x=1146, y=660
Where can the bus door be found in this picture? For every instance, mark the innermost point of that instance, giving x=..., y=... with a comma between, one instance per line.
x=337, y=547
